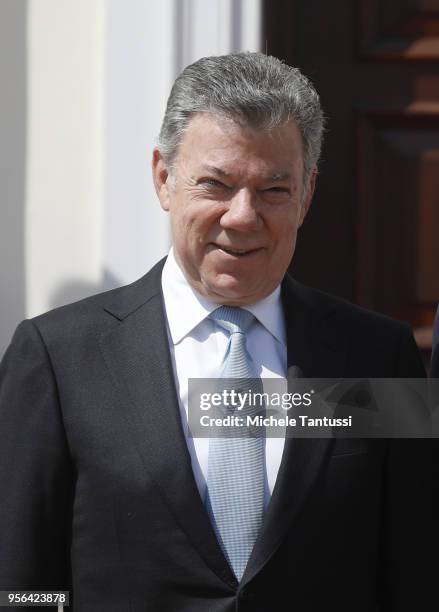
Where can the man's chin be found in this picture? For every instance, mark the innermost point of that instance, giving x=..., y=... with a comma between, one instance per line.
x=233, y=292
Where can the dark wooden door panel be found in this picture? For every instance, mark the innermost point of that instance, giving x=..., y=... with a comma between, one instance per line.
x=398, y=215
x=399, y=29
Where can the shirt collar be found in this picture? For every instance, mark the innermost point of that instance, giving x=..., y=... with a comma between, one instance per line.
x=186, y=308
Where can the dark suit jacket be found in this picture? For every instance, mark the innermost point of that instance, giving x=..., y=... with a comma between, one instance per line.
x=98, y=494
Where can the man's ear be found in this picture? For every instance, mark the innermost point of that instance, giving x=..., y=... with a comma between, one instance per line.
x=310, y=188
x=161, y=178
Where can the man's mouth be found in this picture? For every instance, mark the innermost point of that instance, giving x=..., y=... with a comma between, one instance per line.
x=237, y=252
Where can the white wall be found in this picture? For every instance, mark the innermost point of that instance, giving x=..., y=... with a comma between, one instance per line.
x=139, y=69
x=81, y=210
x=64, y=205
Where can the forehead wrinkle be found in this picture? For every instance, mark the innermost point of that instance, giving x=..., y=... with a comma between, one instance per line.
x=215, y=170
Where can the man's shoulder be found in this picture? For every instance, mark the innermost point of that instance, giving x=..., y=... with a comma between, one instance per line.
x=335, y=309
x=373, y=344
x=101, y=311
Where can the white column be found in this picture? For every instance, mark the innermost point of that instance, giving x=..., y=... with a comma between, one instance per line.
x=216, y=27
x=251, y=26
x=139, y=72
x=63, y=217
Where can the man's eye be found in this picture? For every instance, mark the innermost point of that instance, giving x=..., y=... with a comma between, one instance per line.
x=277, y=190
x=213, y=183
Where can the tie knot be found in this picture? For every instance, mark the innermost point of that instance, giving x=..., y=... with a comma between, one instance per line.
x=232, y=318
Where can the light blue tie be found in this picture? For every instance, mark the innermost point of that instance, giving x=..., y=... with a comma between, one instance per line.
x=236, y=468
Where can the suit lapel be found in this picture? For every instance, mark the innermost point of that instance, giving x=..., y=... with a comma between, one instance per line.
x=315, y=349
x=136, y=352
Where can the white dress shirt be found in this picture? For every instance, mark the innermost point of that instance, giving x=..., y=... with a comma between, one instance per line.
x=198, y=346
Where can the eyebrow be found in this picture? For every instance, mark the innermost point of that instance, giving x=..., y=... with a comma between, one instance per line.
x=274, y=178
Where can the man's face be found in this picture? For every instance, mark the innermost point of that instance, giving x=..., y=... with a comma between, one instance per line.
x=236, y=203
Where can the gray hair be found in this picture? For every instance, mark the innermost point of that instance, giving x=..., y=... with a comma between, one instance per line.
x=252, y=89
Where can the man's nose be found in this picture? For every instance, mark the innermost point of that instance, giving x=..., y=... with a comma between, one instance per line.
x=242, y=214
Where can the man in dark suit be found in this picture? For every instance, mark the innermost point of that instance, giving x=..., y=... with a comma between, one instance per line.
x=104, y=493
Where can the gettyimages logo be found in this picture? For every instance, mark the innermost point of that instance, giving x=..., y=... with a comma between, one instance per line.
x=300, y=407
x=236, y=399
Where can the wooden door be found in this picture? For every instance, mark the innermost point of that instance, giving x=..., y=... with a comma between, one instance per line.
x=372, y=235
